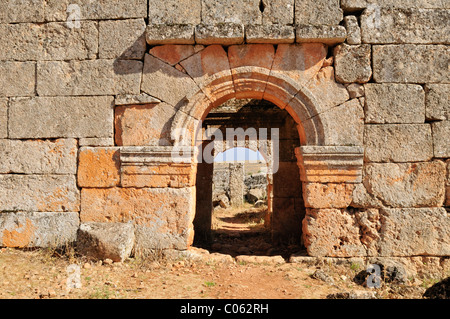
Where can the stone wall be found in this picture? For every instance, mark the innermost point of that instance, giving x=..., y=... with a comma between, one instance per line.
x=92, y=95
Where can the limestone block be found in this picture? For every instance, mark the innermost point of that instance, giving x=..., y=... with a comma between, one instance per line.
x=162, y=216
x=437, y=101
x=398, y=142
x=56, y=10
x=318, y=12
x=333, y=233
x=3, y=117
x=353, y=30
x=144, y=124
x=18, y=78
x=231, y=11
x=53, y=117
x=447, y=185
x=351, y=5
x=135, y=99
x=48, y=41
x=272, y=33
x=410, y=63
x=350, y=117
x=38, y=156
x=39, y=193
x=174, y=53
x=394, y=25
x=329, y=195
x=38, y=229
x=13, y=11
x=90, y=77
x=441, y=138
x=165, y=82
x=279, y=12
x=353, y=63
x=355, y=90
x=394, y=103
x=328, y=34
x=98, y=167
x=327, y=90
x=101, y=241
x=169, y=34
x=123, y=39
x=407, y=184
x=414, y=231
x=96, y=141
x=224, y=33
x=175, y=12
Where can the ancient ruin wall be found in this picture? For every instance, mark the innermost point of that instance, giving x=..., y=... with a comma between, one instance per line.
x=92, y=94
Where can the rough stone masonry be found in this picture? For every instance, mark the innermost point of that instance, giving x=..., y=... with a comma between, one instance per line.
x=93, y=100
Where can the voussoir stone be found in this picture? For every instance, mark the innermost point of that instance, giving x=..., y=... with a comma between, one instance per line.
x=398, y=142
x=394, y=103
x=407, y=184
x=38, y=229
x=55, y=117
x=101, y=241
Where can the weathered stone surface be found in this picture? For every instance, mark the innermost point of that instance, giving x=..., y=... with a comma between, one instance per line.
x=407, y=184
x=355, y=90
x=124, y=39
x=447, y=185
x=169, y=34
x=330, y=195
x=333, y=233
x=48, y=41
x=328, y=34
x=393, y=25
x=13, y=11
x=18, y=78
x=173, y=53
x=91, y=77
x=98, y=167
x=56, y=10
x=101, y=241
x=351, y=115
x=414, y=231
x=398, y=143
x=437, y=101
x=54, y=117
x=353, y=30
x=175, y=12
x=327, y=90
x=441, y=138
x=96, y=141
x=353, y=63
x=3, y=117
x=39, y=193
x=135, y=99
x=318, y=12
x=279, y=12
x=223, y=33
x=165, y=82
x=265, y=260
x=38, y=156
x=226, y=11
x=361, y=4
x=272, y=33
x=162, y=216
x=144, y=124
x=394, y=103
x=411, y=63
x=42, y=229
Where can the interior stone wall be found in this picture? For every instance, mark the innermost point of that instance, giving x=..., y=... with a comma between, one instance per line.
x=93, y=96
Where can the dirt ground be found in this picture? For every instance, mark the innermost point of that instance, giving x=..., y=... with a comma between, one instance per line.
x=45, y=273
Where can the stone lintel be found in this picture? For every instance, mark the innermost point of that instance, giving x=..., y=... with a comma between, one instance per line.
x=330, y=164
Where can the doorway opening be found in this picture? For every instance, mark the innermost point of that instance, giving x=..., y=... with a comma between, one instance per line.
x=249, y=199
